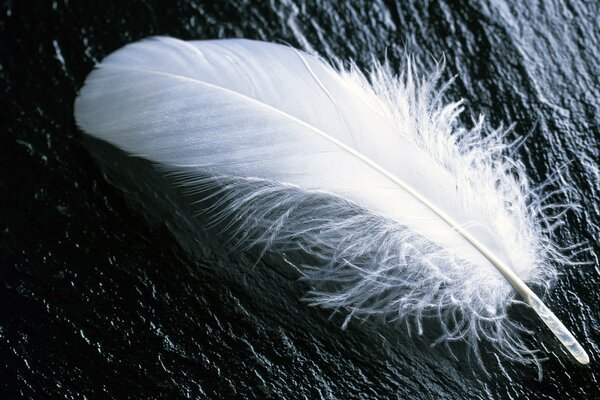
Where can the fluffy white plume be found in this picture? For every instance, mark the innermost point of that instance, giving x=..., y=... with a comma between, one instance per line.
x=371, y=179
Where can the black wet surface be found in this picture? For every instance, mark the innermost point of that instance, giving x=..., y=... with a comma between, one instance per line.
x=98, y=302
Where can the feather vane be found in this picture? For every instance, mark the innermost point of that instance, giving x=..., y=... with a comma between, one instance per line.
x=403, y=213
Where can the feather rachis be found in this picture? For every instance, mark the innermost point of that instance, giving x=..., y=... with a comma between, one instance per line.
x=365, y=255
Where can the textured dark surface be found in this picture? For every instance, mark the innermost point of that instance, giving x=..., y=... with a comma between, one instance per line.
x=95, y=302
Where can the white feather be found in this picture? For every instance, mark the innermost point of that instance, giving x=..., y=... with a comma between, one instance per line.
x=403, y=212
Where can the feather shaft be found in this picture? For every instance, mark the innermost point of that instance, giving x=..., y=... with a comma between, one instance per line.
x=404, y=214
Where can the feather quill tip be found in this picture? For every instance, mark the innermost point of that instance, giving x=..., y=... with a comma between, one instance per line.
x=558, y=328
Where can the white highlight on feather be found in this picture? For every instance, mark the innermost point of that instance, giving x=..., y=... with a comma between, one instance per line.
x=451, y=204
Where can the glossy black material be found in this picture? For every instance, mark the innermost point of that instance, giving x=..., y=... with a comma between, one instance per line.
x=98, y=302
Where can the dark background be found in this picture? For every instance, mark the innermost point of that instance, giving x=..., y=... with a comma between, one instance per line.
x=98, y=302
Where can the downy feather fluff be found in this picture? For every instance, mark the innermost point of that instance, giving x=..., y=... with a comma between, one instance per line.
x=354, y=171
